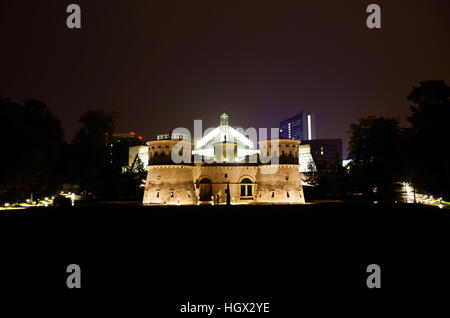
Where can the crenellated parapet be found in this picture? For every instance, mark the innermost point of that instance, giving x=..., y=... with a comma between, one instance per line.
x=160, y=152
x=281, y=151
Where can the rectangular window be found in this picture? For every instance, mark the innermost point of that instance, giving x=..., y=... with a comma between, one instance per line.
x=242, y=190
x=249, y=190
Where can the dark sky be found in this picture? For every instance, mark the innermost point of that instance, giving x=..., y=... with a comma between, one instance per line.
x=162, y=64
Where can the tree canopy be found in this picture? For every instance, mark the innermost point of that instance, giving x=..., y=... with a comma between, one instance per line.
x=33, y=150
x=375, y=149
x=430, y=136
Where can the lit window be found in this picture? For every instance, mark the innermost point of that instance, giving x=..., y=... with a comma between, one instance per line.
x=309, y=127
x=171, y=194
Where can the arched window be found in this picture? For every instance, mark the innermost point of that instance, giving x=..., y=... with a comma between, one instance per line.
x=246, y=188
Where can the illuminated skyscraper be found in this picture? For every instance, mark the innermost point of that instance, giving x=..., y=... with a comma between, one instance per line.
x=300, y=127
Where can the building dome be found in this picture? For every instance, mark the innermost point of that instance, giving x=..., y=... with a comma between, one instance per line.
x=207, y=146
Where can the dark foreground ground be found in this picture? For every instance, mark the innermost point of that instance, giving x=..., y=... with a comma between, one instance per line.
x=295, y=257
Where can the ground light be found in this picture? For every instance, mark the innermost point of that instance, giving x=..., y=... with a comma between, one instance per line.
x=423, y=198
x=46, y=202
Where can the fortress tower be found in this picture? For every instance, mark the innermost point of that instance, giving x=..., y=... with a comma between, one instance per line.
x=169, y=182
x=279, y=183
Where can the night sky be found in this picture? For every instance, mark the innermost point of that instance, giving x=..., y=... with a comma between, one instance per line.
x=162, y=64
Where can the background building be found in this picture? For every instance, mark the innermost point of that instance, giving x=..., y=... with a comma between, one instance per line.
x=139, y=153
x=325, y=149
x=174, y=136
x=136, y=155
x=299, y=127
x=302, y=127
x=306, y=161
x=119, y=148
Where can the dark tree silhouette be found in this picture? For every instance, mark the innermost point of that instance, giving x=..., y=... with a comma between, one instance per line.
x=430, y=151
x=91, y=160
x=98, y=157
x=375, y=150
x=330, y=179
x=33, y=143
x=132, y=182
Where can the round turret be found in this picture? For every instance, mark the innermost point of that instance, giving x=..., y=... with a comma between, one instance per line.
x=279, y=151
x=278, y=176
x=169, y=177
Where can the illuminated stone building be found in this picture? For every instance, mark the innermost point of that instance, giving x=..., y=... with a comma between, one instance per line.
x=224, y=160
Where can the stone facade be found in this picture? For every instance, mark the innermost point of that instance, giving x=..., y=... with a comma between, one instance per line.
x=206, y=183
x=181, y=172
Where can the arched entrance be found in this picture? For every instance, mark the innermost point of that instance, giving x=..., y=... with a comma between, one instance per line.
x=205, y=189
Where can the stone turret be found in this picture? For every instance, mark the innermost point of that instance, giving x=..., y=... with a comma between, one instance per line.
x=285, y=151
x=279, y=180
x=169, y=180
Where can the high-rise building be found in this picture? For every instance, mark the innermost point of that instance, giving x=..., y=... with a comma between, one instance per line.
x=300, y=127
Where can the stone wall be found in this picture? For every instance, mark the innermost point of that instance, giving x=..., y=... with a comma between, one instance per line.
x=220, y=176
x=170, y=184
x=160, y=151
x=180, y=184
x=279, y=184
